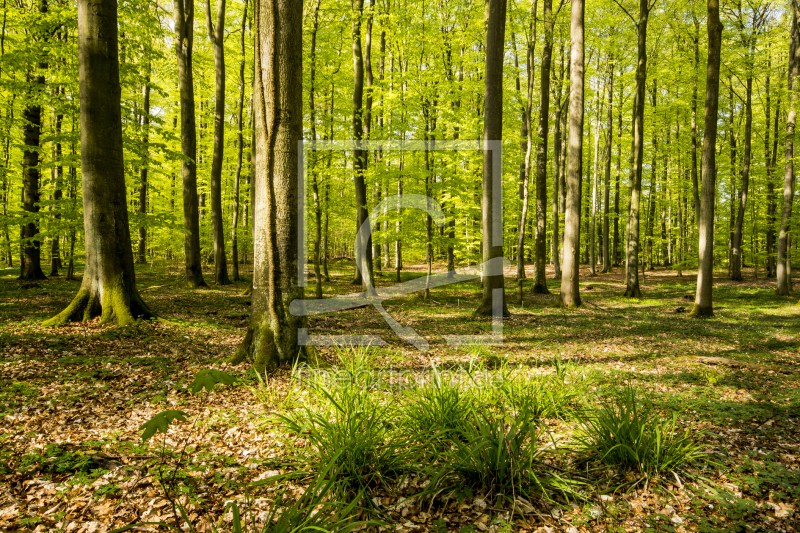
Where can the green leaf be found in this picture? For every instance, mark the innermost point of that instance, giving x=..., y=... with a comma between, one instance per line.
x=208, y=378
x=160, y=422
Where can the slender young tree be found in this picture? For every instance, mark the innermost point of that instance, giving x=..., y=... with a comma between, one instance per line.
x=313, y=163
x=109, y=279
x=495, y=16
x=216, y=34
x=607, y=185
x=272, y=337
x=705, y=222
x=239, y=149
x=184, y=41
x=570, y=295
x=783, y=270
x=142, y=244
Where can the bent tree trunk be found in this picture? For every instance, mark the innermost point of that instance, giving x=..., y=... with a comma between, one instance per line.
x=492, y=131
x=705, y=222
x=272, y=337
x=109, y=279
x=216, y=36
x=570, y=296
x=184, y=29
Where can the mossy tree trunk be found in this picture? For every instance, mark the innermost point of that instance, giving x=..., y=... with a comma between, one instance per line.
x=109, y=279
x=272, y=337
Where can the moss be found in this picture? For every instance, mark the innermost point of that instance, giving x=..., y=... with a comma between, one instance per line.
x=116, y=307
x=702, y=311
x=633, y=292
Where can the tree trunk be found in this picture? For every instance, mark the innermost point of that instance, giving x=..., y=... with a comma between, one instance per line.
x=570, y=295
x=557, y=172
x=770, y=158
x=783, y=270
x=184, y=30
x=607, y=187
x=495, y=16
x=142, y=244
x=57, y=175
x=705, y=222
x=540, y=245
x=216, y=34
x=593, y=203
x=363, y=252
x=30, y=260
x=736, y=252
x=109, y=279
x=313, y=162
x=695, y=183
x=632, y=245
x=615, y=254
x=239, y=149
x=272, y=337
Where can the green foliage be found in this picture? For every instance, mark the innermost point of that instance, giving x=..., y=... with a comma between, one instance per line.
x=57, y=459
x=440, y=409
x=160, y=423
x=208, y=378
x=631, y=435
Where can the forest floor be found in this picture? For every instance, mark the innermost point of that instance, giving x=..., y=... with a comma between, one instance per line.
x=72, y=400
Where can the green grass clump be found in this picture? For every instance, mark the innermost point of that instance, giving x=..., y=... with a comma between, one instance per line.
x=439, y=410
x=629, y=434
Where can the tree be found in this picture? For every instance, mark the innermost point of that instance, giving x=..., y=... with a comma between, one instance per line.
x=184, y=30
x=216, y=34
x=272, y=337
x=570, y=275
x=783, y=276
x=607, y=187
x=705, y=222
x=239, y=149
x=540, y=250
x=31, y=258
x=142, y=244
x=109, y=279
x=495, y=15
x=632, y=243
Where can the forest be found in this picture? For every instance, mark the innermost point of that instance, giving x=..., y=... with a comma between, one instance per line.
x=399, y=265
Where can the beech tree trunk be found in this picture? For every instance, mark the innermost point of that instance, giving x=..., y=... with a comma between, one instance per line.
x=216, y=35
x=109, y=280
x=495, y=16
x=632, y=244
x=272, y=337
x=540, y=244
x=705, y=222
x=783, y=266
x=607, y=185
x=570, y=295
x=142, y=244
x=736, y=248
x=57, y=177
x=313, y=163
x=31, y=257
x=239, y=149
x=184, y=31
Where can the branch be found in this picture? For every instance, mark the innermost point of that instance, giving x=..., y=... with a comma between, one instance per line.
x=635, y=23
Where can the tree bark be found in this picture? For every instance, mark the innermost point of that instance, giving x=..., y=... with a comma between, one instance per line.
x=607, y=187
x=632, y=245
x=570, y=295
x=57, y=176
x=142, y=244
x=363, y=253
x=736, y=249
x=557, y=174
x=313, y=162
x=184, y=31
x=272, y=337
x=705, y=223
x=495, y=16
x=239, y=149
x=216, y=35
x=31, y=257
x=783, y=266
x=109, y=279
x=540, y=244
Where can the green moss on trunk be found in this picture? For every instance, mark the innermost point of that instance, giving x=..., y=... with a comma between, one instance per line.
x=702, y=311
